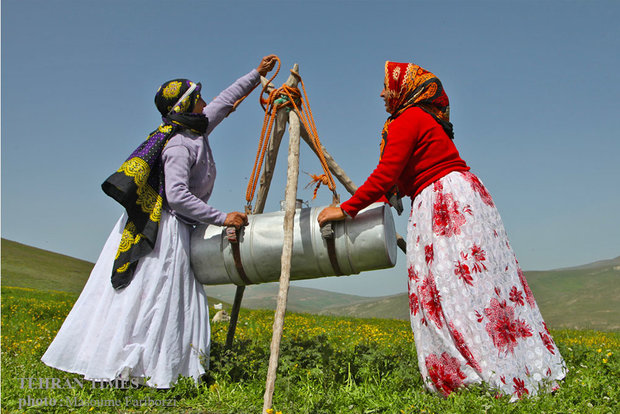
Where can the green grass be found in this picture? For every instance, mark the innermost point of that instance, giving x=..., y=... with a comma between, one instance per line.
x=327, y=365
x=587, y=297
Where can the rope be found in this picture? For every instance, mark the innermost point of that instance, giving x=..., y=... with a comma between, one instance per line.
x=287, y=96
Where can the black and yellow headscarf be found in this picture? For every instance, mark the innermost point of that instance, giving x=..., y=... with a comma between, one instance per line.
x=138, y=185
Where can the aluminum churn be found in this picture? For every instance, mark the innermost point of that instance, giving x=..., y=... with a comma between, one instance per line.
x=366, y=243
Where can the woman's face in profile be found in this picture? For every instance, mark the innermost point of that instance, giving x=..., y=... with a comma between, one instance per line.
x=200, y=105
x=382, y=95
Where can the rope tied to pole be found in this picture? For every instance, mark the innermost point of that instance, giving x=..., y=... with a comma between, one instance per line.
x=289, y=98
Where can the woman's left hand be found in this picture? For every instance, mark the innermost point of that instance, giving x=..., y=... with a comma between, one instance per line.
x=266, y=64
x=330, y=214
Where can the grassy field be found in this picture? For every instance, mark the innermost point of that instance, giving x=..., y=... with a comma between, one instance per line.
x=586, y=297
x=327, y=365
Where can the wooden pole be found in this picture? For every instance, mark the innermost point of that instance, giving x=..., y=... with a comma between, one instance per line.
x=287, y=251
x=270, y=161
x=333, y=166
x=261, y=196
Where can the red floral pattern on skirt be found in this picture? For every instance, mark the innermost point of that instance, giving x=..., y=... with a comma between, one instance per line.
x=413, y=303
x=529, y=296
x=447, y=218
x=461, y=345
x=429, y=254
x=546, y=338
x=445, y=372
x=430, y=300
x=503, y=328
x=519, y=387
x=462, y=270
x=463, y=274
x=479, y=188
x=478, y=255
x=516, y=296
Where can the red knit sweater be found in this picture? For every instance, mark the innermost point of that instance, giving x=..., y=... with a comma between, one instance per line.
x=417, y=153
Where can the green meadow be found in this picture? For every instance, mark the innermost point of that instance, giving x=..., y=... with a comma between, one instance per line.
x=328, y=364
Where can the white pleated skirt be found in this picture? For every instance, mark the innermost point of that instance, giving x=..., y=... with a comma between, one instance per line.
x=155, y=329
x=473, y=315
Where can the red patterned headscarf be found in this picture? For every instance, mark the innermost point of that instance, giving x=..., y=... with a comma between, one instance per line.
x=407, y=85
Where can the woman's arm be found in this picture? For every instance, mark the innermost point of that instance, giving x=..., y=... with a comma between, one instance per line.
x=177, y=165
x=402, y=138
x=221, y=106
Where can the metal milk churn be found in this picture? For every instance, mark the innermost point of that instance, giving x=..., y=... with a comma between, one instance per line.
x=366, y=243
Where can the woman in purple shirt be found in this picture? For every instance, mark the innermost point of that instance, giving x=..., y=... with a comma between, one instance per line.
x=150, y=325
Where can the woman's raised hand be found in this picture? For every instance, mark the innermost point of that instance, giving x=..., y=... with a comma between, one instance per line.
x=266, y=64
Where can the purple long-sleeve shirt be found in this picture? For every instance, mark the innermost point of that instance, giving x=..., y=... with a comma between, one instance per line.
x=189, y=167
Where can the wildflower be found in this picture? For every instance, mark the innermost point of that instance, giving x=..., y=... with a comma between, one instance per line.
x=599, y=350
x=604, y=360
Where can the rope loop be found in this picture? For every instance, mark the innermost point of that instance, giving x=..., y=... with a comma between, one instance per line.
x=288, y=98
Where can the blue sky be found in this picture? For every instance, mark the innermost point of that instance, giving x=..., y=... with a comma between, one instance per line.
x=533, y=87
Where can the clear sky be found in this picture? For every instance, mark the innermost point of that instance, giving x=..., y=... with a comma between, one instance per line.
x=533, y=87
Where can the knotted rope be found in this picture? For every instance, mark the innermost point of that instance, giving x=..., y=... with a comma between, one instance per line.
x=287, y=96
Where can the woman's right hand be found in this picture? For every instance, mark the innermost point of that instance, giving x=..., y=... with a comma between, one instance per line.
x=330, y=214
x=236, y=219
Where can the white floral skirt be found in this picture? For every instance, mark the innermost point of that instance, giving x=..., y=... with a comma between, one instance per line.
x=473, y=316
x=155, y=329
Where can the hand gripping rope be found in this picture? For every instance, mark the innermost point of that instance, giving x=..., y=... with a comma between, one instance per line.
x=287, y=97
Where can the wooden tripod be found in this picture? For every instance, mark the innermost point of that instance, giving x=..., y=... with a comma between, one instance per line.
x=296, y=130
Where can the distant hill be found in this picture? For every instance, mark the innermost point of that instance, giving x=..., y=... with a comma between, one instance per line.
x=30, y=267
x=300, y=299
x=580, y=297
x=583, y=297
x=25, y=266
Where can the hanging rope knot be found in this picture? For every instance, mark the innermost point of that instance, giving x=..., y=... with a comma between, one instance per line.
x=318, y=180
x=292, y=99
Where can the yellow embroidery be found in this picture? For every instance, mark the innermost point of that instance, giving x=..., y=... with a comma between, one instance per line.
x=183, y=106
x=136, y=168
x=127, y=239
x=151, y=202
x=123, y=268
x=166, y=129
x=172, y=89
x=156, y=213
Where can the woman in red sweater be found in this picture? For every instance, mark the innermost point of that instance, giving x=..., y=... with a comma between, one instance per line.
x=473, y=315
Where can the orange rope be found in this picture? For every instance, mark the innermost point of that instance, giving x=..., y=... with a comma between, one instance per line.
x=271, y=107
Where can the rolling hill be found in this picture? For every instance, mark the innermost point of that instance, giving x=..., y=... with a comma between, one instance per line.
x=583, y=297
